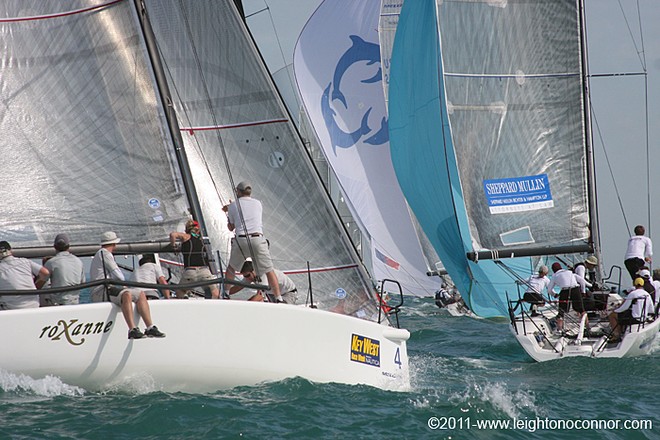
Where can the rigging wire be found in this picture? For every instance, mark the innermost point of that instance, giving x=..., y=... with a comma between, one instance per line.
x=189, y=119
x=641, y=54
x=646, y=115
x=286, y=66
x=609, y=165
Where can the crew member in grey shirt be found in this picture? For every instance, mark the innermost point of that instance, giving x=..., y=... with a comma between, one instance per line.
x=65, y=270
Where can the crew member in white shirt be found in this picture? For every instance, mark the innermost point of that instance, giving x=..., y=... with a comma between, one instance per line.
x=639, y=252
x=635, y=308
x=571, y=287
x=244, y=217
x=536, y=284
x=585, y=269
x=104, y=266
x=150, y=273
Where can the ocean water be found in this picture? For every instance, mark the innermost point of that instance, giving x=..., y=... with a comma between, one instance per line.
x=468, y=376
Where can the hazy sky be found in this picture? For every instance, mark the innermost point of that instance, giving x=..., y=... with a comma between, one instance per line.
x=615, y=46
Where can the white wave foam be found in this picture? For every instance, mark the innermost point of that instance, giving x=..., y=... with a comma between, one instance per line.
x=139, y=383
x=49, y=386
x=512, y=403
x=656, y=346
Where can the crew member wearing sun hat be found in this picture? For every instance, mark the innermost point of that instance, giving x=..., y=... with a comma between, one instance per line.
x=195, y=262
x=636, y=307
x=244, y=217
x=17, y=274
x=585, y=270
x=104, y=266
x=65, y=270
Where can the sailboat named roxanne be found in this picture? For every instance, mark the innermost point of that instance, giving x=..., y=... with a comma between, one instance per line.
x=131, y=116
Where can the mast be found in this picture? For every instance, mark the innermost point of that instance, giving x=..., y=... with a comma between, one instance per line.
x=173, y=125
x=588, y=137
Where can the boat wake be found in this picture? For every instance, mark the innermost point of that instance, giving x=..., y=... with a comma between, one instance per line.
x=49, y=386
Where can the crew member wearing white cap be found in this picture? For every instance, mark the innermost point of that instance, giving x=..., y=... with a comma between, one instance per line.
x=649, y=285
x=244, y=217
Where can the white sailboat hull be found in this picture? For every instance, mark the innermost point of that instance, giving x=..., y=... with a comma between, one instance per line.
x=210, y=345
x=456, y=309
x=535, y=336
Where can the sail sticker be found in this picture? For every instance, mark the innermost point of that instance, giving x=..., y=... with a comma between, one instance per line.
x=276, y=159
x=518, y=194
x=365, y=350
x=387, y=260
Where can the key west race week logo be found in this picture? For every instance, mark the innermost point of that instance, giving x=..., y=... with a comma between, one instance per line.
x=352, y=72
x=365, y=350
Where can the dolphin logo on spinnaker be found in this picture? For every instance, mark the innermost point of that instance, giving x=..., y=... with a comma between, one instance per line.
x=359, y=52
